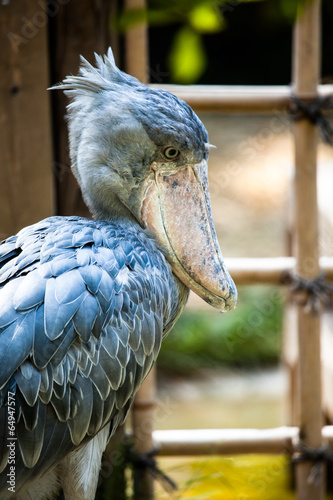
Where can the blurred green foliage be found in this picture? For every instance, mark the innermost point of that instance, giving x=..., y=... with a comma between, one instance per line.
x=250, y=336
x=196, y=19
x=187, y=58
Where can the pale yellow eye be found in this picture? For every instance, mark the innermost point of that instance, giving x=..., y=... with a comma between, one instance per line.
x=171, y=153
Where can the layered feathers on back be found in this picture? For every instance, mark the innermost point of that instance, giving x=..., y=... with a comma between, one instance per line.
x=83, y=308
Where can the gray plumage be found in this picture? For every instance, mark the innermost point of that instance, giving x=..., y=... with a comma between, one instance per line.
x=78, y=331
x=84, y=304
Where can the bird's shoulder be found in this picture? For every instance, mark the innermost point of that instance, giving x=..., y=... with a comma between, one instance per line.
x=54, y=243
x=70, y=278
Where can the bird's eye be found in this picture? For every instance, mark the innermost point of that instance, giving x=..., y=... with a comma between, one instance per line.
x=171, y=153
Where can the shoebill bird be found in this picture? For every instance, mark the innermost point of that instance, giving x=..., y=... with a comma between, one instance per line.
x=85, y=304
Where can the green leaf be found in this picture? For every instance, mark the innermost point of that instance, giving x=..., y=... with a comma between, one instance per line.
x=187, y=60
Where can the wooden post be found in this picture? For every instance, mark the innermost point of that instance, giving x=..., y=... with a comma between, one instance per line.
x=26, y=180
x=79, y=27
x=306, y=59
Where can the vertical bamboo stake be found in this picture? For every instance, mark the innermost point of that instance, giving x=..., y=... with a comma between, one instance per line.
x=306, y=59
x=136, y=42
x=136, y=58
x=143, y=426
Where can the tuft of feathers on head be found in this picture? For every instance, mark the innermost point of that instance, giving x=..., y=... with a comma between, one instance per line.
x=92, y=80
x=105, y=91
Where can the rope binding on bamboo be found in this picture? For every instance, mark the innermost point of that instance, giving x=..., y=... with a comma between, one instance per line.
x=310, y=293
x=304, y=453
x=313, y=112
x=147, y=461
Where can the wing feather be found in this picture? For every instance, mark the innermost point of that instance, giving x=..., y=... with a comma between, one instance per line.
x=62, y=405
x=31, y=441
x=96, y=421
x=86, y=316
x=60, y=307
x=99, y=379
x=112, y=368
x=28, y=380
x=110, y=341
x=28, y=413
x=79, y=425
x=15, y=345
x=30, y=292
x=45, y=350
x=92, y=276
x=7, y=310
x=86, y=306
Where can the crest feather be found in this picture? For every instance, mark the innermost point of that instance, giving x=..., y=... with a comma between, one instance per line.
x=93, y=80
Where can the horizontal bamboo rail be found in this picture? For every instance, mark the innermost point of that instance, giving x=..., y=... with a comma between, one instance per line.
x=194, y=442
x=238, y=99
x=246, y=271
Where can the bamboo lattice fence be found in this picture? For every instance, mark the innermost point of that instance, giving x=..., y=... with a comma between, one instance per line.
x=309, y=433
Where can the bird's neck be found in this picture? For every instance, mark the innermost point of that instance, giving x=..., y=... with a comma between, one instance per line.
x=112, y=210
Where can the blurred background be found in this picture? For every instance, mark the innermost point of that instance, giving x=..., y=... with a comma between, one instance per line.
x=227, y=371
x=239, y=43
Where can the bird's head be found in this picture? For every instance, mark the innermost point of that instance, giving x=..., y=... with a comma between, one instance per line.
x=142, y=153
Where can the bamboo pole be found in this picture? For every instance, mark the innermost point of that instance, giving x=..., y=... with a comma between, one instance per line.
x=143, y=425
x=306, y=59
x=136, y=61
x=136, y=42
x=237, y=99
x=270, y=271
x=193, y=442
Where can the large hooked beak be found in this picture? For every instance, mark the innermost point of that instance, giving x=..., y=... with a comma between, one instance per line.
x=176, y=208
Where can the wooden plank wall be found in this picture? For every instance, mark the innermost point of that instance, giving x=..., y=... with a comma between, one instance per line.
x=26, y=187
x=80, y=27
x=40, y=44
